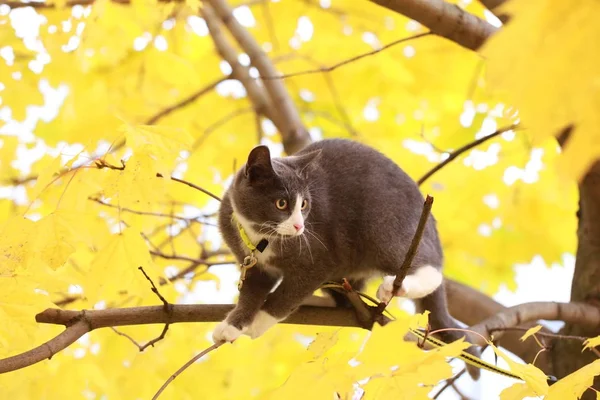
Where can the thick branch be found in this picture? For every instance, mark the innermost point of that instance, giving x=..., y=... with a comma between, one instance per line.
x=306, y=315
x=444, y=19
x=471, y=307
x=80, y=322
x=46, y=350
x=294, y=134
x=256, y=94
x=586, y=277
x=582, y=314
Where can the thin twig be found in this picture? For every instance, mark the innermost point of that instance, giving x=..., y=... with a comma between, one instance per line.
x=190, y=184
x=549, y=335
x=185, y=366
x=199, y=261
x=188, y=100
x=412, y=251
x=463, y=149
x=142, y=347
x=543, y=334
x=150, y=213
x=218, y=123
x=342, y=63
x=449, y=383
x=414, y=245
x=155, y=290
x=100, y=164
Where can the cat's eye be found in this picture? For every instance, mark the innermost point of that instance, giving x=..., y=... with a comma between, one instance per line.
x=304, y=204
x=281, y=204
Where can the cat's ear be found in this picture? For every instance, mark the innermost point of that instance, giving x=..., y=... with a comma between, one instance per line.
x=307, y=162
x=258, y=167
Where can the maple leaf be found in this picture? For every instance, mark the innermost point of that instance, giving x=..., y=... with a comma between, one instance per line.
x=531, y=332
x=592, y=342
x=536, y=379
x=573, y=385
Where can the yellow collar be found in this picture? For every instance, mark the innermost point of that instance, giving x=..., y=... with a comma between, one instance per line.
x=262, y=244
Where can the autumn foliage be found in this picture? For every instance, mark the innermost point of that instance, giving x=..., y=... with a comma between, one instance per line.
x=116, y=118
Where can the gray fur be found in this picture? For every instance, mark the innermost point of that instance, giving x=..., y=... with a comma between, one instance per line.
x=362, y=214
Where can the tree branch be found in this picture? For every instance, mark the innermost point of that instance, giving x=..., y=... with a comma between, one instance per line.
x=294, y=134
x=582, y=314
x=335, y=66
x=188, y=100
x=463, y=149
x=78, y=323
x=444, y=19
x=471, y=307
x=46, y=350
x=257, y=95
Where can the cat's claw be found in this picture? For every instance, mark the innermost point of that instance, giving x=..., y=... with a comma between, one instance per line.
x=224, y=332
x=262, y=322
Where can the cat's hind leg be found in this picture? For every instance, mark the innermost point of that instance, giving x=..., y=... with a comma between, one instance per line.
x=415, y=285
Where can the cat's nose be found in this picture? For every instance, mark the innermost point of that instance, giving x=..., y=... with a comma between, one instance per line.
x=298, y=226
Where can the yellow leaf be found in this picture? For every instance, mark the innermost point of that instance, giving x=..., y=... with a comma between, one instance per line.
x=573, y=385
x=164, y=144
x=518, y=391
x=592, y=342
x=396, y=387
x=47, y=167
x=323, y=342
x=531, y=332
x=386, y=348
x=115, y=268
x=19, y=302
x=136, y=186
x=322, y=378
x=522, y=73
x=14, y=238
x=533, y=376
x=53, y=240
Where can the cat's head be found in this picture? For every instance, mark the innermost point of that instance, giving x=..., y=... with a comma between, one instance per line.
x=274, y=195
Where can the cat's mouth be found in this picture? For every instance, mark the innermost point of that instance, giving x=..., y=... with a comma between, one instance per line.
x=282, y=230
x=290, y=230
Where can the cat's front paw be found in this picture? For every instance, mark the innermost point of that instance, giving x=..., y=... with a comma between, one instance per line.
x=261, y=323
x=385, y=290
x=225, y=332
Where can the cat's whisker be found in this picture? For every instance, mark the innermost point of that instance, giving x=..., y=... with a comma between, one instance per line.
x=308, y=246
x=317, y=238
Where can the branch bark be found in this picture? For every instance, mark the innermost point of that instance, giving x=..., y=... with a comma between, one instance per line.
x=445, y=20
x=294, y=134
x=78, y=323
x=471, y=307
x=584, y=315
x=585, y=286
x=257, y=95
x=46, y=350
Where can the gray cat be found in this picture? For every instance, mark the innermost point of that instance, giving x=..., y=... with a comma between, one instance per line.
x=337, y=209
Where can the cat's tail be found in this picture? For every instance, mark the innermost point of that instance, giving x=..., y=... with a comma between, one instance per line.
x=440, y=318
